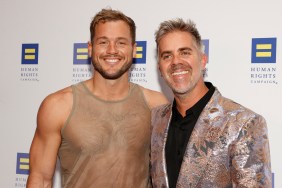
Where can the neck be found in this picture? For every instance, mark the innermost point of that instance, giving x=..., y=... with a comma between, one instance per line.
x=188, y=100
x=109, y=89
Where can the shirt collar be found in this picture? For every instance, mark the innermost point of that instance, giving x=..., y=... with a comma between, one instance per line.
x=199, y=106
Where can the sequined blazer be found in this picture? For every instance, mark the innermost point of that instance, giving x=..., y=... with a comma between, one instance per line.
x=228, y=148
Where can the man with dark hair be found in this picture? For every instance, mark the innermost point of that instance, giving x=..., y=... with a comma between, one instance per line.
x=99, y=128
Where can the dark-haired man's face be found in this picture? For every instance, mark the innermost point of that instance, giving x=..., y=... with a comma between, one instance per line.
x=111, y=50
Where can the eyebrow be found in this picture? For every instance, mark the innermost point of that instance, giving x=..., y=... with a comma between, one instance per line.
x=179, y=50
x=101, y=38
x=185, y=48
x=119, y=38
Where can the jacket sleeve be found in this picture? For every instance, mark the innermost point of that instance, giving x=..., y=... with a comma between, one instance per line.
x=250, y=155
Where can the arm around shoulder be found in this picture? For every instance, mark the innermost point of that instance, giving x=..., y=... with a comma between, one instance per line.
x=47, y=138
x=154, y=98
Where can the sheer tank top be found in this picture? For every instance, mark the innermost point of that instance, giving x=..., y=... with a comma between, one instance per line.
x=106, y=143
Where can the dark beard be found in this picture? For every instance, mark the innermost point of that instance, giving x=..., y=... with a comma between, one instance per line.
x=114, y=76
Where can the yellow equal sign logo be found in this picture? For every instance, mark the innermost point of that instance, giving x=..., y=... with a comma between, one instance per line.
x=139, y=51
x=264, y=48
x=24, y=163
x=82, y=53
x=29, y=53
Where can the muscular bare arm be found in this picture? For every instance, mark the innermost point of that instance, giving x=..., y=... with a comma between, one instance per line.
x=51, y=116
x=154, y=98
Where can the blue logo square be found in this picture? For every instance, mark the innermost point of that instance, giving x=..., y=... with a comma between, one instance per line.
x=30, y=54
x=264, y=50
x=22, y=163
x=80, y=54
x=141, y=51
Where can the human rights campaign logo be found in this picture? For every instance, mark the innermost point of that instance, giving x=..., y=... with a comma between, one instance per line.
x=205, y=43
x=30, y=54
x=80, y=54
x=141, y=51
x=22, y=163
x=264, y=50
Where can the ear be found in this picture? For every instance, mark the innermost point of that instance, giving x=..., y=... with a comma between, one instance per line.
x=89, y=49
x=204, y=60
x=158, y=62
x=134, y=50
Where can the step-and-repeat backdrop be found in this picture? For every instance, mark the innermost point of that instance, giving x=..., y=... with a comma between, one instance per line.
x=43, y=48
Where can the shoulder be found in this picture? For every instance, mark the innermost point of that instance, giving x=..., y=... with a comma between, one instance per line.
x=56, y=107
x=232, y=108
x=162, y=110
x=154, y=98
x=58, y=98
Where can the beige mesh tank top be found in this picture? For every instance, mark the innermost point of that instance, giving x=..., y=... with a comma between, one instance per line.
x=106, y=144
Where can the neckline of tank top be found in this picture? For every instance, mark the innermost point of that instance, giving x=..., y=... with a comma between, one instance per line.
x=131, y=86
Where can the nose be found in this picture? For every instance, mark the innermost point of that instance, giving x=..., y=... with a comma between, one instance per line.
x=111, y=48
x=175, y=60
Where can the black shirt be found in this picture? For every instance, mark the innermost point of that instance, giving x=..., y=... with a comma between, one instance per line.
x=179, y=132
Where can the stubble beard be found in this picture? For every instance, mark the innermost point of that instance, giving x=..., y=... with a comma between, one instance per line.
x=186, y=88
x=111, y=76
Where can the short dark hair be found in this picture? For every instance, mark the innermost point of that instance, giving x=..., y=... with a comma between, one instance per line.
x=106, y=15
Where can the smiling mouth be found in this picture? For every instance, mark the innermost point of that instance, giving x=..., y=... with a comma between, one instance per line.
x=112, y=60
x=179, y=73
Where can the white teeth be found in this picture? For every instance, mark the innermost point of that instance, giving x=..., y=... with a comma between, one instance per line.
x=112, y=60
x=179, y=73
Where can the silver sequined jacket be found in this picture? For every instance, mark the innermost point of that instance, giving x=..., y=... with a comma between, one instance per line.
x=228, y=148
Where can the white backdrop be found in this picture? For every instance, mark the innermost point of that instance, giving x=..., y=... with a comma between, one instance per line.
x=54, y=28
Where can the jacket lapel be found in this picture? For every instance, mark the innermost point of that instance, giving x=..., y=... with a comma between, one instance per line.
x=201, y=144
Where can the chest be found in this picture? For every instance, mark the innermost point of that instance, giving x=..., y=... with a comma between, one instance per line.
x=96, y=127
